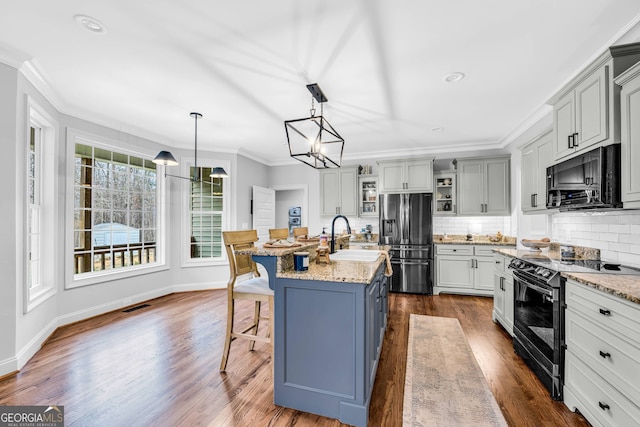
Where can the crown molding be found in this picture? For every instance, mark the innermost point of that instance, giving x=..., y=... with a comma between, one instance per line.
x=13, y=57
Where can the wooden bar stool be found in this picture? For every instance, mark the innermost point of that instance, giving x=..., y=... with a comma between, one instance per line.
x=278, y=233
x=254, y=289
x=301, y=232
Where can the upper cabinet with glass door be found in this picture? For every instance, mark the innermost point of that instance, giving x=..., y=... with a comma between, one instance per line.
x=445, y=198
x=368, y=195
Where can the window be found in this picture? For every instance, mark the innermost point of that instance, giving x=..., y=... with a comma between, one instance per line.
x=115, y=210
x=206, y=213
x=34, y=208
x=40, y=208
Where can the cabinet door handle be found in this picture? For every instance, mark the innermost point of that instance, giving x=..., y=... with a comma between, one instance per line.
x=605, y=312
x=604, y=355
x=603, y=406
x=575, y=139
x=570, y=141
x=502, y=283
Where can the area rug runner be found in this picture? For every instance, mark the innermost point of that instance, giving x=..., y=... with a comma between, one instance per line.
x=444, y=385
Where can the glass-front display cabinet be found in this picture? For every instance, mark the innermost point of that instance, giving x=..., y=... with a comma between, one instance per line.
x=368, y=195
x=444, y=195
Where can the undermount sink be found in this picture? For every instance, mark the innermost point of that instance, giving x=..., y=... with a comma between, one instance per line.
x=366, y=255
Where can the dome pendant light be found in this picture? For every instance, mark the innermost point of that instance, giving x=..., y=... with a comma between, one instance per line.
x=166, y=158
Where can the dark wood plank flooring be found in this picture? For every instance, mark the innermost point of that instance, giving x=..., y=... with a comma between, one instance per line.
x=158, y=366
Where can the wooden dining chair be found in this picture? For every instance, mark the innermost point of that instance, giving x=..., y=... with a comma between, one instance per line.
x=300, y=231
x=278, y=233
x=255, y=289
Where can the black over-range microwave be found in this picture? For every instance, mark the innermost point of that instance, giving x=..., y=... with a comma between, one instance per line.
x=590, y=180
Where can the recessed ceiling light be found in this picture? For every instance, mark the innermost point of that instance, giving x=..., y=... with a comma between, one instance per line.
x=90, y=24
x=438, y=129
x=453, y=77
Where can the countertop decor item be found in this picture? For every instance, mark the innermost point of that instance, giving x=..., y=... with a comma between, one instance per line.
x=166, y=158
x=312, y=140
x=535, y=245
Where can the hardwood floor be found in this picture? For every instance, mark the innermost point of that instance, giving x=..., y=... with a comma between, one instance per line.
x=158, y=366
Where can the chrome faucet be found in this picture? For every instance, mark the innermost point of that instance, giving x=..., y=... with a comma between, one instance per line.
x=333, y=233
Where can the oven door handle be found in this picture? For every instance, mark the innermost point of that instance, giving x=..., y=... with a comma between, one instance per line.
x=539, y=289
x=528, y=284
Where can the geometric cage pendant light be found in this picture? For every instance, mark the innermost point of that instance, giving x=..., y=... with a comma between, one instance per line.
x=167, y=159
x=312, y=140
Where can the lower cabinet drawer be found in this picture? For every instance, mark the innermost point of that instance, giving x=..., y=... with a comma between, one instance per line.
x=454, y=249
x=610, y=312
x=598, y=398
x=613, y=358
x=484, y=250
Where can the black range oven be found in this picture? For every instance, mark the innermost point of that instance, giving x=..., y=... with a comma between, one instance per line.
x=539, y=322
x=539, y=305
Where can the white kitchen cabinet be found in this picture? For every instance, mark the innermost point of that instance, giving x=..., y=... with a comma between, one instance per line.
x=445, y=197
x=536, y=157
x=338, y=191
x=484, y=186
x=602, y=360
x=503, y=293
x=368, y=195
x=406, y=176
x=464, y=269
x=630, y=122
x=585, y=111
x=580, y=116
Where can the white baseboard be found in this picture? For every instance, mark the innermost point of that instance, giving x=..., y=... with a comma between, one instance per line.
x=32, y=347
x=21, y=358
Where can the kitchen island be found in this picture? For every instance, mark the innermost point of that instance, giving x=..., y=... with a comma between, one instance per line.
x=328, y=331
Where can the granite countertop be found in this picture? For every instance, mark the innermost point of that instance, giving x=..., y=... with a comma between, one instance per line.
x=622, y=286
x=337, y=271
x=626, y=287
x=340, y=270
x=261, y=250
x=477, y=240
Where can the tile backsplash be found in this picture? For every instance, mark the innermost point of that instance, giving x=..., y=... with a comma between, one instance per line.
x=615, y=233
x=472, y=224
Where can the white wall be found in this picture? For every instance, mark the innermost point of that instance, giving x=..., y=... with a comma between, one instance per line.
x=8, y=262
x=22, y=334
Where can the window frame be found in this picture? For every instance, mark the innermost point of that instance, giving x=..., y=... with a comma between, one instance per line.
x=186, y=165
x=72, y=280
x=47, y=181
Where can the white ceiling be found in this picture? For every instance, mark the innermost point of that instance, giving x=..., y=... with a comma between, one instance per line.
x=244, y=65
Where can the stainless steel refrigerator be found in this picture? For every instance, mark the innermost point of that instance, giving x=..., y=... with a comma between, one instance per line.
x=406, y=225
